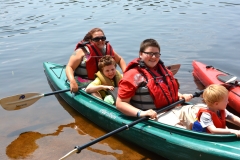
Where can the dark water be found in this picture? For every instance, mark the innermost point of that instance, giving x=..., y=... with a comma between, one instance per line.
x=32, y=32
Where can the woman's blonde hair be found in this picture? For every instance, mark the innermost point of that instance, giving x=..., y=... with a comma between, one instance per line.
x=214, y=93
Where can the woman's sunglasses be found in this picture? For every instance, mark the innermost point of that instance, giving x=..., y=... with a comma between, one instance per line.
x=97, y=39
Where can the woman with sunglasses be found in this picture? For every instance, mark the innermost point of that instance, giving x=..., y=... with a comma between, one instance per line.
x=83, y=62
x=147, y=84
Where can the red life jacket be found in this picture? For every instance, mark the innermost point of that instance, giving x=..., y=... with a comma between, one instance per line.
x=164, y=89
x=95, y=54
x=218, y=122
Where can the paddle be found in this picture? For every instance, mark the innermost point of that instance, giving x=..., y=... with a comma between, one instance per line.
x=79, y=148
x=24, y=100
x=174, y=68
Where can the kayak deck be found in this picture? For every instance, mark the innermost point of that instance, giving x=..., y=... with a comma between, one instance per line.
x=210, y=75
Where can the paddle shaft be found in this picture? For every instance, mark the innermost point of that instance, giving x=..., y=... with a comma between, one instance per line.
x=127, y=126
x=56, y=92
x=64, y=90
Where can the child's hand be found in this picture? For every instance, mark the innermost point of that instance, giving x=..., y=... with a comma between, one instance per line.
x=111, y=88
x=237, y=132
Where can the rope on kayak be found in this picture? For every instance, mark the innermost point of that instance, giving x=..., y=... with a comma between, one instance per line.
x=56, y=67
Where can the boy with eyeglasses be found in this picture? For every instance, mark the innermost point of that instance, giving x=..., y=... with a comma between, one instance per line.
x=147, y=84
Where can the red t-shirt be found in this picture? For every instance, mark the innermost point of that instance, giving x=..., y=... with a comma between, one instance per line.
x=130, y=81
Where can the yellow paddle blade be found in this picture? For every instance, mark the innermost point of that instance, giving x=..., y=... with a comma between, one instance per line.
x=20, y=101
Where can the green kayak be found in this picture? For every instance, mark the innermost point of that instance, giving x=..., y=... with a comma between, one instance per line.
x=168, y=141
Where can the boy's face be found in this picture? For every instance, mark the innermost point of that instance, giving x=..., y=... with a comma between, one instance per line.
x=150, y=61
x=221, y=105
x=109, y=71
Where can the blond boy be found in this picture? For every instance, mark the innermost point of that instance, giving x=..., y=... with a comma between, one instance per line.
x=213, y=118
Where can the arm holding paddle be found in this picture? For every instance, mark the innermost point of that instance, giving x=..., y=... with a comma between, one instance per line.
x=148, y=71
x=73, y=63
x=187, y=97
x=126, y=108
x=123, y=104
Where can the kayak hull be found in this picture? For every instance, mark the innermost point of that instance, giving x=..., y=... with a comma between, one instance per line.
x=168, y=141
x=209, y=75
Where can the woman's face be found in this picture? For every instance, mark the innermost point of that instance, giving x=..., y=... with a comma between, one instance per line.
x=98, y=39
x=150, y=56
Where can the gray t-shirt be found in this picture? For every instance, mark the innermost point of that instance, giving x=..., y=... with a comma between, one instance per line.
x=206, y=118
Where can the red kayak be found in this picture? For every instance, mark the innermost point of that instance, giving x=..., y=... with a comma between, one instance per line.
x=210, y=75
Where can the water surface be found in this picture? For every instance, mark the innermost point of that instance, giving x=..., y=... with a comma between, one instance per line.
x=32, y=32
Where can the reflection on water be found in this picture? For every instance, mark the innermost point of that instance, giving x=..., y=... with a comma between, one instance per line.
x=107, y=146
x=25, y=144
x=28, y=142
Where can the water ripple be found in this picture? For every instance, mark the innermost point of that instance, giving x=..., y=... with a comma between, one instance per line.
x=31, y=23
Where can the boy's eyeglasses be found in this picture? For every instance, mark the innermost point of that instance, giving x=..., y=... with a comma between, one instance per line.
x=156, y=54
x=97, y=39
